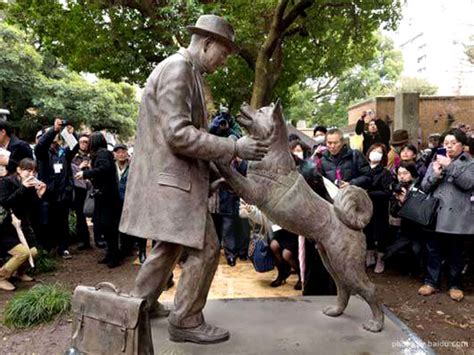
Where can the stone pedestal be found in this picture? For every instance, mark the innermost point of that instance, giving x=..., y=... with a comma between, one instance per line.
x=407, y=115
x=294, y=326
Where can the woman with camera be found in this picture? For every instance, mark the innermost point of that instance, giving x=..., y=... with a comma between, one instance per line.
x=103, y=175
x=450, y=177
x=17, y=193
x=409, y=233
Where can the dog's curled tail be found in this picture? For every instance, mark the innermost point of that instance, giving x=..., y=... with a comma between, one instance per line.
x=353, y=207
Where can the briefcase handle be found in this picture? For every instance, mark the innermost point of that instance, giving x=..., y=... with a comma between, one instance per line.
x=108, y=285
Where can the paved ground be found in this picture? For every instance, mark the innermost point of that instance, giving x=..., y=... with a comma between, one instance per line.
x=436, y=319
x=293, y=326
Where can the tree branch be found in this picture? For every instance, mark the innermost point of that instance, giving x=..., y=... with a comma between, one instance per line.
x=294, y=12
x=249, y=56
x=275, y=29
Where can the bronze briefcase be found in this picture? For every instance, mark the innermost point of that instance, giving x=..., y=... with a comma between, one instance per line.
x=109, y=322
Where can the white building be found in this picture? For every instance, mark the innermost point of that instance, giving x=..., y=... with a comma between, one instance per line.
x=432, y=35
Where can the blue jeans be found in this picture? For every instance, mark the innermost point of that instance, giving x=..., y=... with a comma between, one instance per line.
x=446, y=247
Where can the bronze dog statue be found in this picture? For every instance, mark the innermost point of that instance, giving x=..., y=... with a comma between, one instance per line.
x=278, y=190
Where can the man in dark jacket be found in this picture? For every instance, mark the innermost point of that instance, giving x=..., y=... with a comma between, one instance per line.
x=54, y=169
x=18, y=149
x=342, y=165
x=377, y=131
x=80, y=193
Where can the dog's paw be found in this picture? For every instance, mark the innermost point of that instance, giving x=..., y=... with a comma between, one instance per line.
x=332, y=311
x=373, y=326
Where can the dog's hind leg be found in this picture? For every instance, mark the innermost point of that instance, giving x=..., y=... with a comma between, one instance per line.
x=359, y=283
x=367, y=290
x=343, y=293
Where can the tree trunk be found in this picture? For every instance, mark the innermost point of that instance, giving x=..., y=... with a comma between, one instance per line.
x=262, y=84
x=267, y=72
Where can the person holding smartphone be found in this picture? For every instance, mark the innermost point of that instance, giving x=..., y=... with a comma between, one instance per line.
x=450, y=177
x=17, y=193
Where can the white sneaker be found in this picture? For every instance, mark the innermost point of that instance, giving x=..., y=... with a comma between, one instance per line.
x=66, y=254
x=380, y=266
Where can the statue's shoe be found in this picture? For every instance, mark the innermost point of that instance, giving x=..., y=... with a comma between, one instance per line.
x=202, y=334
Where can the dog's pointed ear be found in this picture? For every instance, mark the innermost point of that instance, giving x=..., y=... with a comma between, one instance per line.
x=278, y=113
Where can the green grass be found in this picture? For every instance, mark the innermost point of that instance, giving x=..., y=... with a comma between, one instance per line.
x=40, y=304
x=45, y=262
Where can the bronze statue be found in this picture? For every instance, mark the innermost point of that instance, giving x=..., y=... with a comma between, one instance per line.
x=277, y=189
x=168, y=185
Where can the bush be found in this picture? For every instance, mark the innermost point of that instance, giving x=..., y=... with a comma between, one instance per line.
x=40, y=304
x=45, y=262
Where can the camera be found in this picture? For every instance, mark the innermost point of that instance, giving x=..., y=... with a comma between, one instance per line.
x=64, y=123
x=396, y=187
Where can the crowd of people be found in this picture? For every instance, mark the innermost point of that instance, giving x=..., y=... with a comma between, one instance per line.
x=390, y=168
x=41, y=186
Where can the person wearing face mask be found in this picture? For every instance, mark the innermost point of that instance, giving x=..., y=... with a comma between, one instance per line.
x=379, y=192
x=17, y=193
x=299, y=150
x=450, y=177
x=377, y=130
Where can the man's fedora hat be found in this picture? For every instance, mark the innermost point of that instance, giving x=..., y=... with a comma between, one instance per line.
x=399, y=137
x=215, y=27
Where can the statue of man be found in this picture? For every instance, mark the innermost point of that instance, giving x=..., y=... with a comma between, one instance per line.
x=168, y=182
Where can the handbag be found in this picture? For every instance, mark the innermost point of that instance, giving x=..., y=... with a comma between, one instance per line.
x=106, y=321
x=89, y=203
x=420, y=207
x=259, y=251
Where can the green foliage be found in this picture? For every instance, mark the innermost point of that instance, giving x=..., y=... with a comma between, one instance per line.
x=45, y=262
x=40, y=304
x=325, y=100
x=19, y=69
x=103, y=105
x=422, y=86
x=112, y=41
x=29, y=79
x=124, y=40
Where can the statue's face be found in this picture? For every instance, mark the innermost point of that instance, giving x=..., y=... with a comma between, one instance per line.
x=259, y=123
x=215, y=56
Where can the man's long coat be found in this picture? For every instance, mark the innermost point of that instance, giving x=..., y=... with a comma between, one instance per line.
x=168, y=184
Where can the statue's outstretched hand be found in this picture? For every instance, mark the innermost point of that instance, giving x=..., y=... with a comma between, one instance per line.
x=250, y=149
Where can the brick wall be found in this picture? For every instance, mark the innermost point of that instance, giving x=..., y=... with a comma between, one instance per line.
x=437, y=113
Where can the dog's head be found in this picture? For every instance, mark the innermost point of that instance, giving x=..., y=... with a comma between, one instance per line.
x=264, y=123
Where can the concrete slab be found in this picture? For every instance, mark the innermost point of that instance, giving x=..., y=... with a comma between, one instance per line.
x=294, y=325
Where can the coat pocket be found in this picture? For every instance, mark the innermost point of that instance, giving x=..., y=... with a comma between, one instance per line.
x=180, y=182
